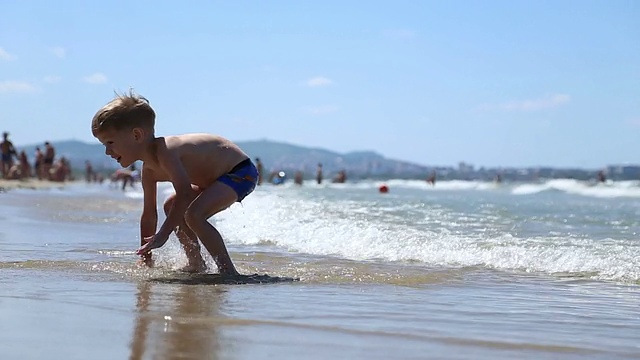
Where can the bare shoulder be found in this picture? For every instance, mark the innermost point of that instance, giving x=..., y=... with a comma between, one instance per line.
x=203, y=139
x=199, y=143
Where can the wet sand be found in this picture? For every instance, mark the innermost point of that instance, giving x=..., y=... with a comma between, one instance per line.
x=35, y=184
x=72, y=314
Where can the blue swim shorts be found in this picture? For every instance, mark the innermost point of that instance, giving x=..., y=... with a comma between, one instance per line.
x=242, y=178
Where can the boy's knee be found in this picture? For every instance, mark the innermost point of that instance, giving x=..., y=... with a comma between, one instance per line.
x=168, y=204
x=193, y=216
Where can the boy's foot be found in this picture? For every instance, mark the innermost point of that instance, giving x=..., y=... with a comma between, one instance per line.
x=194, y=267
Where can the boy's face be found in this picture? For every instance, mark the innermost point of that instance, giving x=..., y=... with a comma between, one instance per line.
x=124, y=145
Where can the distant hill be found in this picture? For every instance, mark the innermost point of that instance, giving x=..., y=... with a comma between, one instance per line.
x=275, y=156
x=288, y=157
x=278, y=156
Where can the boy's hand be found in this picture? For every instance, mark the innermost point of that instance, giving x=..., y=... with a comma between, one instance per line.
x=146, y=260
x=153, y=242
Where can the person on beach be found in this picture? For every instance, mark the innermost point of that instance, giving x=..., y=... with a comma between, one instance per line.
x=319, y=174
x=88, y=171
x=259, y=166
x=208, y=172
x=38, y=163
x=25, y=167
x=128, y=176
x=431, y=179
x=60, y=171
x=8, y=152
x=47, y=161
x=340, y=178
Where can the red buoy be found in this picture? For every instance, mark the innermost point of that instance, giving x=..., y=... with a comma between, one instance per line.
x=383, y=189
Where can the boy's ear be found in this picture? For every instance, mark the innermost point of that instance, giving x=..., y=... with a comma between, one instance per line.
x=138, y=134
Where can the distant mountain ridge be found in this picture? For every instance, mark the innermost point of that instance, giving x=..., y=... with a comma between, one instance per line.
x=276, y=156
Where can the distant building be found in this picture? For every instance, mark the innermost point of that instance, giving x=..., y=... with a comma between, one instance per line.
x=464, y=167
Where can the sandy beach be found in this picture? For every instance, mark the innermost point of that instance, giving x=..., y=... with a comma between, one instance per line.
x=35, y=184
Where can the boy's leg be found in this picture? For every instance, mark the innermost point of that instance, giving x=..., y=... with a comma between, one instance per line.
x=212, y=200
x=189, y=242
x=191, y=247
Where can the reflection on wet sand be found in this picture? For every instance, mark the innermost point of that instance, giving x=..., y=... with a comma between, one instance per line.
x=179, y=315
x=141, y=322
x=176, y=321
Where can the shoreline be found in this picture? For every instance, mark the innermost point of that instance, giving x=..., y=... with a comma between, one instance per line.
x=34, y=184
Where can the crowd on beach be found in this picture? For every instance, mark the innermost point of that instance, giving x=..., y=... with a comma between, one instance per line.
x=16, y=165
x=45, y=165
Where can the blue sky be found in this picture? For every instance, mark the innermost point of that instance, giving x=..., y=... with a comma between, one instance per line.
x=492, y=83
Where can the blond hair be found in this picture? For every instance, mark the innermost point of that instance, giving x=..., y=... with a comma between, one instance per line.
x=125, y=111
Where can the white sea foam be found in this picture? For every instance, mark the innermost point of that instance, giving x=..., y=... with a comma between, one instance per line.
x=349, y=230
x=610, y=189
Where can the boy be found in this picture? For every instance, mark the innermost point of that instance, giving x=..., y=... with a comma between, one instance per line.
x=208, y=173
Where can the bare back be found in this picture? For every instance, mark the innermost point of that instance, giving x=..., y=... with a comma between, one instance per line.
x=50, y=153
x=204, y=157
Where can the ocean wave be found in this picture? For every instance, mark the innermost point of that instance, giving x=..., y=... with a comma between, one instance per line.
x=427, y=234
x=610, y=189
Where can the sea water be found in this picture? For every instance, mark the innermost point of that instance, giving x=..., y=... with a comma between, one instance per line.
x=458, y=270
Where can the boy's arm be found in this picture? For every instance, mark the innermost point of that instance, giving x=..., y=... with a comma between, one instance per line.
x=182, y=186
x=172, y=165
x=149, y=218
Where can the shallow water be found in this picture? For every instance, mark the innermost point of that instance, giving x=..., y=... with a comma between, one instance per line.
x=462, y=270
